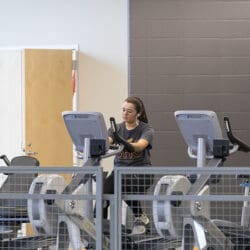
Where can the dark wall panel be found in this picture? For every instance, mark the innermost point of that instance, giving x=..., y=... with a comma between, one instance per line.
x=190, y=54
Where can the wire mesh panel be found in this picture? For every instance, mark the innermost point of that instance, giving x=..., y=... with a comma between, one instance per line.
x=174, y=211
x=137, y=213
x=152, y=208
x=40, y=210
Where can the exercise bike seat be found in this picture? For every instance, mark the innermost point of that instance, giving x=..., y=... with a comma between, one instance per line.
x=24, y=160
x=17, y=183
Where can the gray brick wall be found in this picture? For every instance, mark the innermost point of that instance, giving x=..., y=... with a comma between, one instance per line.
x=190, y=54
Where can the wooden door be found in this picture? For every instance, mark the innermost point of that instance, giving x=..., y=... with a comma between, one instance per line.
x=48, y=92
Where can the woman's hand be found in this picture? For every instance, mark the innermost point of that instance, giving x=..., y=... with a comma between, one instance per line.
x=128, y=146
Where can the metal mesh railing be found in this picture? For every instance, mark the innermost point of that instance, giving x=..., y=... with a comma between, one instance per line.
x=41, y=209
x=50, y=208
x=180, y=217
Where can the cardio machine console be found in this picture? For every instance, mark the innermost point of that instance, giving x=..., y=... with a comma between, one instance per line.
x=81, y=125
x=195, y=124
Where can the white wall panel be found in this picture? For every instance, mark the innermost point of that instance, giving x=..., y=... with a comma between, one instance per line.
x=11, y=102
x=100, y=28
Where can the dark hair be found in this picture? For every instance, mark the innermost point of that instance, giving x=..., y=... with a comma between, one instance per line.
x=139, y=107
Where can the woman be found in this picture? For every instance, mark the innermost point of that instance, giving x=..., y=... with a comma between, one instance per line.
x=137, y=137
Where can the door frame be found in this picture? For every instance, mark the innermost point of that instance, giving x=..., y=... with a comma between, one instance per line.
x=75, y=98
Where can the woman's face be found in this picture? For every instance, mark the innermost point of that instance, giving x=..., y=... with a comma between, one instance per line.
x=129, y=113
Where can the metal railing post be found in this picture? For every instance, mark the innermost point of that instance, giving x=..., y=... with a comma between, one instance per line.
x=117, y=209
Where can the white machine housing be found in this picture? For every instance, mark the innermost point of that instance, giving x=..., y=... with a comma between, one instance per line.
x=167, y=217
x=43, y=215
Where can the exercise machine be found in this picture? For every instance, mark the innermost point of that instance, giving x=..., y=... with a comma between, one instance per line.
x=199, y=129
x=71, y=220
x=14, y=211
x=57, y=223
x=190, y=220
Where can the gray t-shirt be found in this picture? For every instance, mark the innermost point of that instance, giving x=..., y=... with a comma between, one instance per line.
x=142, y=131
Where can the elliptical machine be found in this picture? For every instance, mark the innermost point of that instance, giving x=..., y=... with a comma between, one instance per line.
x=190, y=221
x=72, y=222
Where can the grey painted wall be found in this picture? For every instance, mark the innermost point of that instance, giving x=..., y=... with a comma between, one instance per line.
x=190, y=54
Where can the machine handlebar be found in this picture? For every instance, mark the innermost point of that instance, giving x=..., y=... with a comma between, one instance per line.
x=5, y=159
x=242, y=146
x=113, y=124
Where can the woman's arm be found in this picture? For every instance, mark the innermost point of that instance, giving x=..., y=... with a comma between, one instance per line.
x=140, y=145
x=111, y=140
